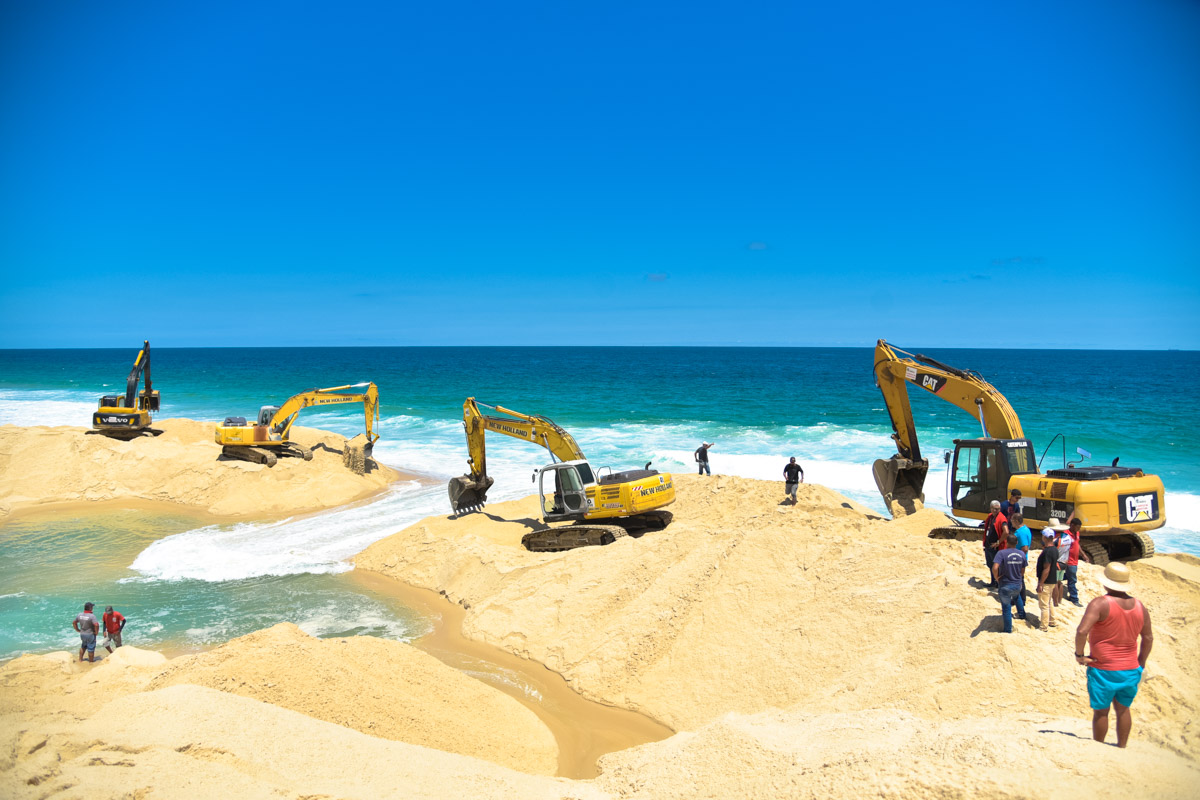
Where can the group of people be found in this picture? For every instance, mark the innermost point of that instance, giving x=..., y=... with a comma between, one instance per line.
x=88, y=628
x=1115, y=626
x=793, y=473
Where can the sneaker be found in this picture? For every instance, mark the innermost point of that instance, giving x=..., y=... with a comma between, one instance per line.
x=1077, y=603
x=1020, y=616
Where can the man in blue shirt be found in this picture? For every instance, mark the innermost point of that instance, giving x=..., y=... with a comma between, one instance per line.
x=1012, y=505
x=1021, y=532
x=1009, y=571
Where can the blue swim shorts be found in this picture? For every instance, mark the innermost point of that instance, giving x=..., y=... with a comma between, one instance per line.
x=1106, y=685
x=89, y=641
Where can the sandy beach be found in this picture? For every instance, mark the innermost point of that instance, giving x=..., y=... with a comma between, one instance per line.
x=52, y=468
x=809, y=651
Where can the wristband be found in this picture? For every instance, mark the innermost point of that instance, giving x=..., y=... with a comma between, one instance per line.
x=1080, y=655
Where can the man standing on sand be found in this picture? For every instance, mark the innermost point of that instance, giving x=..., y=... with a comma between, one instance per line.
x=1047, y=577
x=1074, y=553
x=1111, y=626
x=86, y=625
x=1063, y=542
x=114, y=623
x=995, y=531
x=1008, y=569
x=1012, y=505
x=793, y=476
x=702, y=457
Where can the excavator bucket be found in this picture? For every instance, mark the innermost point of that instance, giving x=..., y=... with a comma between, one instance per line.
x=356, y=453
x=468, y=493
x=901, y=481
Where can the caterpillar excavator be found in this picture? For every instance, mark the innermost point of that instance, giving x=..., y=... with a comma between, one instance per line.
x=1116, y=505
x=263, y=442
x=570, y=490
x=129, y=416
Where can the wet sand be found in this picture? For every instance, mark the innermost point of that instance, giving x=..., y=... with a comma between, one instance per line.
x=584, y=730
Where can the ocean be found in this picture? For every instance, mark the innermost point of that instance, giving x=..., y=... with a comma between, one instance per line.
x=185, y=585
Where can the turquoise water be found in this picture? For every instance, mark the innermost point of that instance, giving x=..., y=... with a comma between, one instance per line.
x=625, y=406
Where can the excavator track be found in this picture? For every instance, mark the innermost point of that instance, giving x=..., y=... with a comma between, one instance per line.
x=642, y=524
x=255, y=455
x=569, y=537
x=297, y=450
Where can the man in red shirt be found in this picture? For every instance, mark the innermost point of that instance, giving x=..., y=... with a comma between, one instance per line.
x=1073, y=556
x=995, y=535
x=1111, y=626
x=114, y=623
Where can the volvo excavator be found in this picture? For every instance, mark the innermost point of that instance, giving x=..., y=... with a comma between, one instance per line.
x=1116, y=505
x=129, y=416
x=570, y=490
x=263, y=442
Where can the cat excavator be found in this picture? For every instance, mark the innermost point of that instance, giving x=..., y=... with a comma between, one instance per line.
x=129, y=416
x=263, y=442
x=569, y=488
x=1116, y=505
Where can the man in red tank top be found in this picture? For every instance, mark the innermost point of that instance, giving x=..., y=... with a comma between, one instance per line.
x=1111, y=626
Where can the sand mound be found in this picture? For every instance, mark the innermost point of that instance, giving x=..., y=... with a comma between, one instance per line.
x=191, y=742
x=47, y=465
x=744, y=605
x=383, y=688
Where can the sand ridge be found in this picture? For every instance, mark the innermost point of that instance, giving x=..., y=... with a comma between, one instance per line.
x=41, y=466
x=745, y=605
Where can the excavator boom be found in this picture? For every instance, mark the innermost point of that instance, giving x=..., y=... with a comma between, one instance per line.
x=901, y=479
x=470, y=491
x=129, y=416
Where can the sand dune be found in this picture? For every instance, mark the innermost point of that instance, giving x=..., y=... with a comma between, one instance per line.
x=42, y=466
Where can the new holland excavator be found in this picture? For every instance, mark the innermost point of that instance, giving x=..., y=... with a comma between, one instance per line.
x=263, y=442
x=1116, y=505
x=570, y=489
x=129, y=416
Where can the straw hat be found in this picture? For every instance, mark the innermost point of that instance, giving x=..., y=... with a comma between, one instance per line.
x=1055, y=524
x=1116, y=577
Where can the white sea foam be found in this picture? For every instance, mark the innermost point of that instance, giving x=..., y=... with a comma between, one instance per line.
x=831, y=455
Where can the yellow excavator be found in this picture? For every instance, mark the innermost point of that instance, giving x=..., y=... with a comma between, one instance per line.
x=129, y=416
x=263, y=442
x=1116, y=505
x=570, y=490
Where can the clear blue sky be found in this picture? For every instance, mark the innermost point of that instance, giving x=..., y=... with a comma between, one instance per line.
x=1016, y=174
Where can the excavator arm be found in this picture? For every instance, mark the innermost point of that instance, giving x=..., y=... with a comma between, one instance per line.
x=285, y=416
x=141, y=366
x=901, y=478
x=470, y=491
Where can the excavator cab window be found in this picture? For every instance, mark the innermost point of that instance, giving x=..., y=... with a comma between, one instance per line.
x=979, y=476
x=563, y=493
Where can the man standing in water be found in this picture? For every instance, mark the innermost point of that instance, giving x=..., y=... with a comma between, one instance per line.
x=114, y=623
x=86, y=625
x=793, y=476
x=1112, y=625
x=702, y=457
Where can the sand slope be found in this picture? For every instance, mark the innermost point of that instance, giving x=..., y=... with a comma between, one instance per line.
x=384, y=688
x=380, y=687
x=743, y=605
x=47, y=465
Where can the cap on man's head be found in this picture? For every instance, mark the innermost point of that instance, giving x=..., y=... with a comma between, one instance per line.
x=108, y=609
x=1048, y=534
x=88, y=606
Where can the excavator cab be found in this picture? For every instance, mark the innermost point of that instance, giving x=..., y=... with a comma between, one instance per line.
x=982, y=468
x=563, y=491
